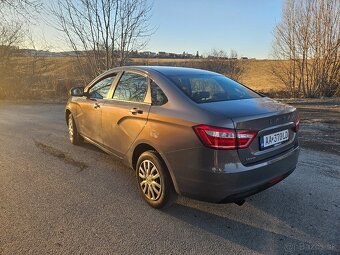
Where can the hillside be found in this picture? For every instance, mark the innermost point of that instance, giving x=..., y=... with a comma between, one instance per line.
x=53, y=76
x=257, y=73
x=258, y=76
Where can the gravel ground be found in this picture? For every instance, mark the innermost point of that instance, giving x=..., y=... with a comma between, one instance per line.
x=56, y=198
x=320, y=122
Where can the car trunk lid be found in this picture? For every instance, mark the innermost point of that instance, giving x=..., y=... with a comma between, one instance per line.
x=262, y=115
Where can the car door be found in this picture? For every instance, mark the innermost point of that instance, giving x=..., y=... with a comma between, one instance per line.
x=91, y=108
x=125, y=114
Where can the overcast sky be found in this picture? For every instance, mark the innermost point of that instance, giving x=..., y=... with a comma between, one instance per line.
x=201, y=25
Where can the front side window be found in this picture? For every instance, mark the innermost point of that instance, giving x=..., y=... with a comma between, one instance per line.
x=131, y=87
x=101, y=88
x=212, y=88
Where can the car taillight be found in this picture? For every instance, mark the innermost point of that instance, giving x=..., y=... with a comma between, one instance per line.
x=296, y=125
x=244, y=138
x=223, y=138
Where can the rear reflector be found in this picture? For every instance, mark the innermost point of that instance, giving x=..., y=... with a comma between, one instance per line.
x=224, y=138
x=276, y=180
x=296, y=127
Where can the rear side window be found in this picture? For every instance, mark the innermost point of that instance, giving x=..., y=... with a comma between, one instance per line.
x=157, y=95
x=131, y=87
x=101, y=88
x=212, y=88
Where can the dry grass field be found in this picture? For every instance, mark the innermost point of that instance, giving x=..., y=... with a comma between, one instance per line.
x=53, y=76
x=258, y=76
x=257, y=73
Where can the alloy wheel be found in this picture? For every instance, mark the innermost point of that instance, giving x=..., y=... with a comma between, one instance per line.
x=150, y=180
x=70, y=128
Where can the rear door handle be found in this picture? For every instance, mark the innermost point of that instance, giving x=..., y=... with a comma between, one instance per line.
x=136, y=111
x=96, y=106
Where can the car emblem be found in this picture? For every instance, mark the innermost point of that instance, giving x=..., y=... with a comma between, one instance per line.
x=279, y=119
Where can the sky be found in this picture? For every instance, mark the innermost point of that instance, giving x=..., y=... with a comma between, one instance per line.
x=202, y=25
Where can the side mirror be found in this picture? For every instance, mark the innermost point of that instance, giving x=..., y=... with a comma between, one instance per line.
x=77, y=92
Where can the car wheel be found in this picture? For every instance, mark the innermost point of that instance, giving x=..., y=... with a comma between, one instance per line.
x=154, y=181
x=74, y=136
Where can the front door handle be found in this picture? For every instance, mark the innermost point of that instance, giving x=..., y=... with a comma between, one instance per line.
x=96, y=106
x=136, y=111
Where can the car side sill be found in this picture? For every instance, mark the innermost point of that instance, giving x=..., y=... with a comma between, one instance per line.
x=102, y=147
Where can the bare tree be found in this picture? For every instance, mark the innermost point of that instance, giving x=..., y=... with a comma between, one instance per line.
x=11, y=35
x=103, y=32
x=12, y=31
x=221, y=62
x=10, y=27
x=24, y=8
x=307, y=40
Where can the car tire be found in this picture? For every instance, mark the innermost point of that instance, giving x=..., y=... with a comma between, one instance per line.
x=73, y=135
x=154, y=181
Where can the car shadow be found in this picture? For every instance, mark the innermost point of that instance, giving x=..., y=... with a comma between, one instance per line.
x=234, y=231
x=262, y=239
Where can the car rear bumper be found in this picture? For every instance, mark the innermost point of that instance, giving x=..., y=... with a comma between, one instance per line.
x=224, y=178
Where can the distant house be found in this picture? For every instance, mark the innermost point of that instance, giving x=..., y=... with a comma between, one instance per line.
x=148, y=54
x=163, y=54
x=174, y=55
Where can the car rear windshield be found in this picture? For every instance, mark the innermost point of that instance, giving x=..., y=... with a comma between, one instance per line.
x=212, y=88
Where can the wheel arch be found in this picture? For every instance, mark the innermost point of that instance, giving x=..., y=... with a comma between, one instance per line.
x=143, y=147
x=67, y=113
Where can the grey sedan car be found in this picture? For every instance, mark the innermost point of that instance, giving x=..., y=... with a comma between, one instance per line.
x=186, y=131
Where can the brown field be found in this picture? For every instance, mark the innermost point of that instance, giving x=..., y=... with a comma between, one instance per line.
x=53, y=76
x=257, y=73
x=258, y=76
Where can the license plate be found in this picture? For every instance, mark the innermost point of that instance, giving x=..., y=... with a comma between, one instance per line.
x=274, y=139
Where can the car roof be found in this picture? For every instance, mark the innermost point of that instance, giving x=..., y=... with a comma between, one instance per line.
x=167, y=70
